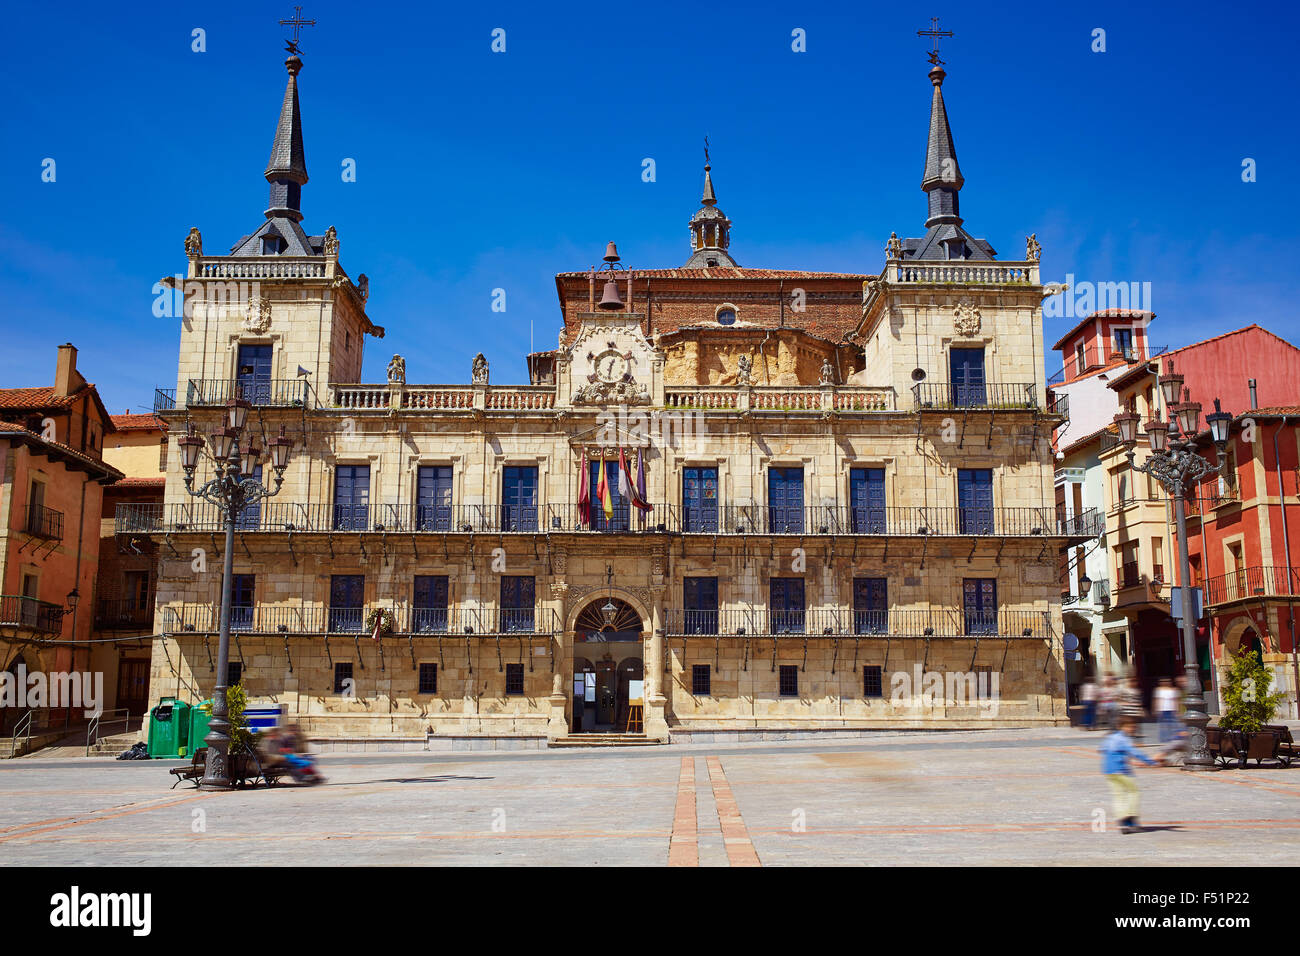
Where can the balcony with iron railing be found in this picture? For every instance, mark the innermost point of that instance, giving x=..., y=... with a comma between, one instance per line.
x=123, y=614
x=1095, y=358
x=44, y=522
x=1257, y=582
x=323, y=620
x=273, y=516
x=1098, y=595
x=26, y=613
x=989, y=396
x=847, y=622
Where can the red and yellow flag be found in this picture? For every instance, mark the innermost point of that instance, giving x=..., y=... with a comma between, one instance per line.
x=584, y=493
x=602, y=492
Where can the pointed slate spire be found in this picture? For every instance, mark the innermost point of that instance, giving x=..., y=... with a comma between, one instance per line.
x=287, y=169
x=710, y=230
x=709, y=199
x=943, y=179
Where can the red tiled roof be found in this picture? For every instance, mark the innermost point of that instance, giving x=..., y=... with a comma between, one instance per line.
x=58, y=451
x=145, y=422
x=41, y=396
x=1102, y=314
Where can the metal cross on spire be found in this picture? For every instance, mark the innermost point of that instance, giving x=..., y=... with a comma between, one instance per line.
x=297, y=23
x=934, y=33
x=706, y=151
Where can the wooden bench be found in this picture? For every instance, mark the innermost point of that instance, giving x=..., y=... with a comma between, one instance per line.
x=193, y=772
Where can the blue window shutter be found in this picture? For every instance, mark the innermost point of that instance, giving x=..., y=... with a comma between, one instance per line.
x=700, y=499
x=253, y=374
x=785, y=500
x=867, y=500
x=433, y=498
x=967, y=377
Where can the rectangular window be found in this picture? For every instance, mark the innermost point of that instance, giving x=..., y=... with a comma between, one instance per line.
x=351, y=497
x=162, y=454
x=980, y=604
x=1123, y=342
x=253, y=378
x=1158, y=560
x=343, y=677
x=518, y=598
x=867, y=500
x=241, y=601
x=786, y=605
x=347, y=592
x=699, y=500
x=433, y=498
x=872, y=685
x=785, y=500
x=514, y=680
x=620, y=517
x=428, y=679
x=975, y=500
x=1080, y=359
x=701, y=680
x=136, y=590
x=967, y=367
x=1129, y=572
x=519, y=498
x=789, y=680
x=870, y=606
x=701, y=605
x=429, y=604
x=234, y=672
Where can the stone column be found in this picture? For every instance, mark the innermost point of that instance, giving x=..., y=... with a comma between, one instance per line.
x=656, y=724
x=557, y=724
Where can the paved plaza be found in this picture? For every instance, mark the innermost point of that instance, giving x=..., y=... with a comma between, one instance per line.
x=1029, y=797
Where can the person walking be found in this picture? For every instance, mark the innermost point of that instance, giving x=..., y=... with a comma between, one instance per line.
x=1166, y=700
x=1088, y=696
x=1108, y=702
x=1116, y=752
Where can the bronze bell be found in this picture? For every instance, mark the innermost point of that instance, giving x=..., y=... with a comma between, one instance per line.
x=611, y=254
x=609, y=301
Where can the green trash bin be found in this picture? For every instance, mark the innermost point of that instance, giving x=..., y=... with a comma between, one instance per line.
x=169, y=727
x=200, y=718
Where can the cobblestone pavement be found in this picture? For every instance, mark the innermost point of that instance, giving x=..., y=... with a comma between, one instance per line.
x=990, y=797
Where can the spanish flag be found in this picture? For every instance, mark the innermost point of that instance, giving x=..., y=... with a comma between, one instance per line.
x=602, y=492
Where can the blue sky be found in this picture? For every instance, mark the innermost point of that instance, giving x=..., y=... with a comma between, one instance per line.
x=478, y=170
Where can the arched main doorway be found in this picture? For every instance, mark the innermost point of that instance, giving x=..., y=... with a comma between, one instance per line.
x=608, y=670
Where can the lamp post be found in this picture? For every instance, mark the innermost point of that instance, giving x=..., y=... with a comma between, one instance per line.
x=232, y=490
x=1176, y=465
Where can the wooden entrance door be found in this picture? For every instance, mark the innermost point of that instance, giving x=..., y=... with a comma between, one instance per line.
x=133, y=685
x=606, y=693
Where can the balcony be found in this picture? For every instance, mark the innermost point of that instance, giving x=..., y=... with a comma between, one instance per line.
x=273, y=516
x=941, y=396
x=319, y=620
x=26, y=613
x=123, y=614
x=164, y=400
x=845, y=622
x=44, y=523
x=1257, y=582
x=1098, y=358
x=272, y=393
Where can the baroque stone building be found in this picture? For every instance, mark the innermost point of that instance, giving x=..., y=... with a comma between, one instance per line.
x=835, y=514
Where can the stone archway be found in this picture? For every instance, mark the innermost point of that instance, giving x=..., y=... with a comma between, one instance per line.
x=608, y=647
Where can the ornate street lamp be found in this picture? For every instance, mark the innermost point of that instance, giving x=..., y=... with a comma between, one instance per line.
x=232, y=490
x=1175, y=464
x=1085, y=585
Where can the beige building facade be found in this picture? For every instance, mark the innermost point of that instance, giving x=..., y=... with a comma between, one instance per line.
x=848, y=524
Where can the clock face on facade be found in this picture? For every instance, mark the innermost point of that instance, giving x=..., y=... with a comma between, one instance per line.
x=612, y=365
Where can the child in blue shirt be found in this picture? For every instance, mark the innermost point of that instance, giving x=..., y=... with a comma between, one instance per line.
x=1116, y=751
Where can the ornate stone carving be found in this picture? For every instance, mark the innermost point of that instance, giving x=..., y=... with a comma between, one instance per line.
x=894, y=247
x=479, y=371
x=332, y=242
x=1032, y=247
x=560, y=563
x=363, y=287
x=257, y=316
x=397, y=371
x=966, y=318
x=827, y=376
x=194, y=243
x=612, y=393
x=744, y=371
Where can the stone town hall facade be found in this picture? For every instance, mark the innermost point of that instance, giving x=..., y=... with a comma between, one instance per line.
x=852, y=521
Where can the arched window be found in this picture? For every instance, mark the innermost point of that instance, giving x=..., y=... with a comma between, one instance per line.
x=726, y=315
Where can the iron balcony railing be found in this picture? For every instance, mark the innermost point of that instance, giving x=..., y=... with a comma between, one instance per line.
x=847, y=622
x=1095, y=358
x=123, y=614
x=164, y=399
x=316, y=619
x=44, y=522
x=30, y=614
x=1253, y=582
x=286, y=516
x=989, y=395
x=265, y=393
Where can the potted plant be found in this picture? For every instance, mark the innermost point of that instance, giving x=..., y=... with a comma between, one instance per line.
x=1248, y=703
x=242, y=764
